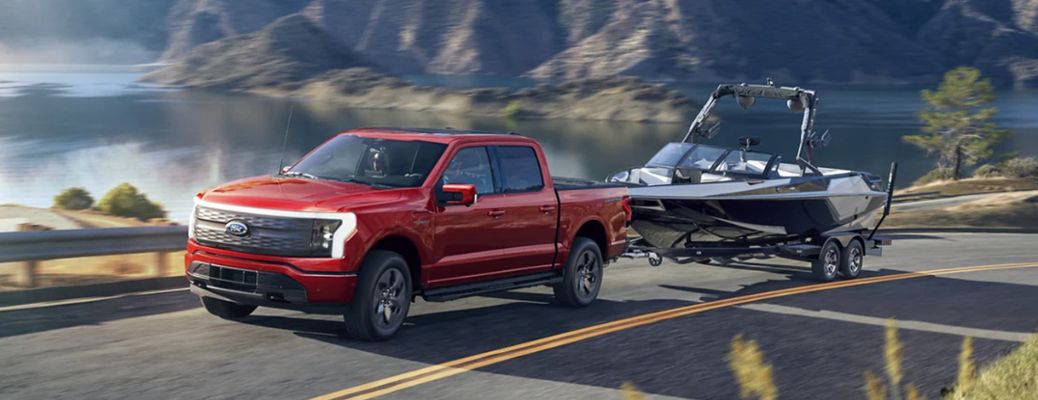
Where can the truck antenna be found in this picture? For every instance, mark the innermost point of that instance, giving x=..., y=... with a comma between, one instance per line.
x=284, y=140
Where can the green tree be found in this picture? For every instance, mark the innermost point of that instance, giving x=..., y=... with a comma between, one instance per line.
x=958, y=127
x=73, y=198
x=126, y=201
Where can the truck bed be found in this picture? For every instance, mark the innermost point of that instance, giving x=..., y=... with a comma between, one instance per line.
x=562, y=183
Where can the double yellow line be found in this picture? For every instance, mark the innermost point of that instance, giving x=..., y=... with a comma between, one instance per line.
x=435, y=372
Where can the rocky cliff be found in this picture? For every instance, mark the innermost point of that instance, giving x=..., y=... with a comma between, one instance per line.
x=294, y=57
x=859, y=41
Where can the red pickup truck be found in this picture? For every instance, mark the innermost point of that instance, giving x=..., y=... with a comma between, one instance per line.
x=374, y=217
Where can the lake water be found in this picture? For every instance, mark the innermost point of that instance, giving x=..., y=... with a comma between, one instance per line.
x=95, y=128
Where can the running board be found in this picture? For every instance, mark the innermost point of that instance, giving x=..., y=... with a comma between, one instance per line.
x=473, y=289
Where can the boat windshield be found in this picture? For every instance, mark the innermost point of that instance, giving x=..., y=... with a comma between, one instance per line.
x=669, y=155
x=745, y=162
x=715, y=160
x=702, y=157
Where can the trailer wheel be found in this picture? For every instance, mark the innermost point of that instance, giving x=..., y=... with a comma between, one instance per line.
x=655, y=259
x=852, y=260
x=825, y=268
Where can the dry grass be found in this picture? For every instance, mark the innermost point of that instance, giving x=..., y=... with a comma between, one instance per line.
x=631, y=392
x=1012, y=377
x=893, y=354
x=1008, y=210
x=752, y=372
x=973, y=186
x=90, y=270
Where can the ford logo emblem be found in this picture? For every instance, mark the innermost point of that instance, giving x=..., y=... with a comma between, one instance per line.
x=237, y=228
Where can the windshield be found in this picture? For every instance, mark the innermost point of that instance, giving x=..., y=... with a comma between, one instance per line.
x=669, y=155
x=746, y=162
x=702, y=157
x=370, y=161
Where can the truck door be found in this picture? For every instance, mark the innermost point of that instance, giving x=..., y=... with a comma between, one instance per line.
x=509, y=230
x=466, y=242
x=530, y=210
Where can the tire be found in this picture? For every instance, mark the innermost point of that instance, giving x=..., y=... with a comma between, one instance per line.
x=582, y=275
x=225, y=309
x=826, y=267
x=382, y=297
x=852, y=260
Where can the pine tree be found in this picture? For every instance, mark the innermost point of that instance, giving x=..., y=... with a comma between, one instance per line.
x=958, y=127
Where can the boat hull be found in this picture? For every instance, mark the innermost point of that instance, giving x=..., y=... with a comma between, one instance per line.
x=666, y=219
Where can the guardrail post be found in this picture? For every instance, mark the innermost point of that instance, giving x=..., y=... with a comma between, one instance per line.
x=25, y=276
x=160, y=266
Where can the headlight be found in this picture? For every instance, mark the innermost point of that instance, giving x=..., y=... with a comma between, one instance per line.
x=323, y=236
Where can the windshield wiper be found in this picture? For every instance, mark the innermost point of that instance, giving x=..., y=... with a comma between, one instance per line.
x=369, y=183
x=302, y=174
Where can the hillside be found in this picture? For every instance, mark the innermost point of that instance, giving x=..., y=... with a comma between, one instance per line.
x=289, y=49
x=857, y=41
x=293, y=57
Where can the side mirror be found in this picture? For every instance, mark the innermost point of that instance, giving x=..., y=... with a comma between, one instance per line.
x=457, y=194
x=285, y=169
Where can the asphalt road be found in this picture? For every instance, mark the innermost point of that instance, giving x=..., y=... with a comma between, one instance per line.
x=164, y=345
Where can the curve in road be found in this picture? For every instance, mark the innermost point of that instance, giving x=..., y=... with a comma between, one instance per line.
x=443, y=370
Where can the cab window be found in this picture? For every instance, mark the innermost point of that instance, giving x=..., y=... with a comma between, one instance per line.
x=519, y=169
x=471, y=165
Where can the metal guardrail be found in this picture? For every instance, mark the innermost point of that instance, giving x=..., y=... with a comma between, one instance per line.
x=45, y=245
x=32, y=247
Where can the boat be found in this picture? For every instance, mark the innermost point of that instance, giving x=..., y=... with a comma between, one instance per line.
x=694, y=195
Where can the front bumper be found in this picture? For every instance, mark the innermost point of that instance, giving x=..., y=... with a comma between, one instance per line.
x=265, y=281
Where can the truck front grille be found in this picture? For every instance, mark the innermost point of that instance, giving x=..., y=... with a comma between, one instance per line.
x=266, y=235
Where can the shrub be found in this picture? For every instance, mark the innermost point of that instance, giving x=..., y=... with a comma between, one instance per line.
x=1013, y=167
x=935, y=175
x=73, y=198
x=126, y=201
x=987, y=171
x=1020, y=167
x=511, y=110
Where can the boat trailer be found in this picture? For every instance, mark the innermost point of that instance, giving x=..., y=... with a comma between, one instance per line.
x=831, y=256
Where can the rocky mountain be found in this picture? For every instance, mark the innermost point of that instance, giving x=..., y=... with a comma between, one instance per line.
x=294, y=57
x=858, y=41
x=192, y=23
x=290, y=49
x=802, y=41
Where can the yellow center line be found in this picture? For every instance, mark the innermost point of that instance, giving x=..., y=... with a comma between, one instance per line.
x=439, y=371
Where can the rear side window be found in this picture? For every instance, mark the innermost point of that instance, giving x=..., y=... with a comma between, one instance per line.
x=520, y=171
x=471, y=165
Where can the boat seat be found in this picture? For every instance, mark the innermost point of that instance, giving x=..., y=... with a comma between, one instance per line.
x=687, y=175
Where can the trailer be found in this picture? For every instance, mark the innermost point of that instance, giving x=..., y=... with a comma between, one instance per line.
x=835, y=255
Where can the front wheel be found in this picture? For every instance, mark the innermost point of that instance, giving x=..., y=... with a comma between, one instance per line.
x=382, y=297
x=226, y=309
x=828, y=262
x=582, y=275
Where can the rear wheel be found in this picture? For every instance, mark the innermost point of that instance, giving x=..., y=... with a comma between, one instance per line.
x=382, y=297
x=225, y=309
x=828, y=262
x=582, y=276
x=852, y=260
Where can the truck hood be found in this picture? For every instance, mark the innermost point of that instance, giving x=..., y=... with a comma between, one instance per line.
x=298, y=194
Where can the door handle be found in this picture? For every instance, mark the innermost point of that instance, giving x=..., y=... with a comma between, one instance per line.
x=495, y=213
x=547, y=209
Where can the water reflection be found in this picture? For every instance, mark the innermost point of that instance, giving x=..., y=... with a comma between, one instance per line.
x=172, y=143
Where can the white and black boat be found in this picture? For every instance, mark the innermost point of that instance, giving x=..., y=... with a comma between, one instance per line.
x=693, y=195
